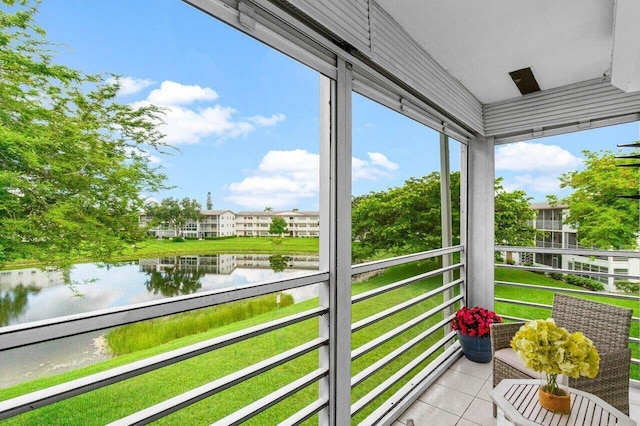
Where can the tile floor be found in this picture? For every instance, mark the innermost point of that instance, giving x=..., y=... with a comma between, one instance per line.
x=461, y=398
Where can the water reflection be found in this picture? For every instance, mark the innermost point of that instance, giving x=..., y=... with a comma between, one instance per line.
x=31, y=294
x=174, y=282
x=278, y=262
x=14, y=301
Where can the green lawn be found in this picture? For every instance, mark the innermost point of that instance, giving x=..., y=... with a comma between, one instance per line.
x=108, y=404
x=158, y=248
x=104, y=405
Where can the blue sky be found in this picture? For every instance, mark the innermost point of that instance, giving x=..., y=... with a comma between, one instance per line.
x=245, y=117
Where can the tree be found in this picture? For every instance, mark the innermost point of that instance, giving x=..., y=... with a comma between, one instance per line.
x=174, y=281
x=278, y=226
x=73, y=162
x=513, y=214
x=174, y=213
x=209, y=202
x=601, y=218
x=406, y=219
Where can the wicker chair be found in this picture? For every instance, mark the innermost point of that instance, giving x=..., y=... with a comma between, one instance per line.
x=607, y=326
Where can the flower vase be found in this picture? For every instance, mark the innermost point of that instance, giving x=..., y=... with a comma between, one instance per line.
x=477, y=349
x=560, y=402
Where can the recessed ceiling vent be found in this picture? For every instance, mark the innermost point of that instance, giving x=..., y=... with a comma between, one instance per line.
x=525, y=81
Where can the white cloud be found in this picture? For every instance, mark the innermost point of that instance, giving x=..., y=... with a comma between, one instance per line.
x=187, y=124
x=378, y=167
x=267, y=121
x=545, y=184
x=285, y=178
x=171, y=93
x=129, y=85
x=528, y=156
x=379, y=159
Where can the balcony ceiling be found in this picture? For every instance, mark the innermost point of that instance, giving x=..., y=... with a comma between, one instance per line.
x=563, y=42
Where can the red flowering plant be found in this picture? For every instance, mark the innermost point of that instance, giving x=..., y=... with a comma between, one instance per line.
x=474, y=321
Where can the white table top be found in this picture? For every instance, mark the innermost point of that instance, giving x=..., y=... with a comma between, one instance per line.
x=518, y=399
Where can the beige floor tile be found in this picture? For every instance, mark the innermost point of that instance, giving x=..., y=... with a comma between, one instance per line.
x=465, y=422
x=485, y=391
x=477, y=369
x=480, y=412
x=424, y=414
x=447, y=399
x=462, y=382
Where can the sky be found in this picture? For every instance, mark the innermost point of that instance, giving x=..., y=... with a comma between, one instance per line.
x=244, y=118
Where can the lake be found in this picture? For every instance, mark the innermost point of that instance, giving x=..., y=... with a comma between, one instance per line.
x=32, y=294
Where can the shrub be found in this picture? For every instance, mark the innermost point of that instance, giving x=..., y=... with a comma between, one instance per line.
x=556, y=276
x=584, y=282
x=628, y=286
x=510, y=262
x=177, y=239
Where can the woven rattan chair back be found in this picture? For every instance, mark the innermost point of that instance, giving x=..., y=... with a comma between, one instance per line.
x=606, y=325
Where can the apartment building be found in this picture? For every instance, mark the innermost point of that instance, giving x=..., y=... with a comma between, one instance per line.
x=556, y=234
x=215, y=223
x=299, y=223
x=225, y=223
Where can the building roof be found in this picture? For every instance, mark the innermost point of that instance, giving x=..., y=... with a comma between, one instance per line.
x=215, y=212
x=544, y=205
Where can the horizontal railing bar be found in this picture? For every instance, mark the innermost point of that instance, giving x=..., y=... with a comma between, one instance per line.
x=41, y=331
x=578, y=252
x=386, y=263
x=41, y=398
x=569, y=291
x=398, y=375
x=357, y=326
x=423, y=379
x=523, y=303
x=379, y=341
x=306, y=413
x=540, y=305
x=516, y=319
x=398, y=284
x=272, y=399
x=393, y=355
x=186, y=399
x=564, y=271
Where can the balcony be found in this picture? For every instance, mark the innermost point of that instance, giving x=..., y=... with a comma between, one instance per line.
x=365, y=352
x=406, y=365
x=460, y=398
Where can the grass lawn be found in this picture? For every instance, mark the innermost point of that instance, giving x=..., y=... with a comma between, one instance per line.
x=118, y=400
x=158, y=248
x=108, y=404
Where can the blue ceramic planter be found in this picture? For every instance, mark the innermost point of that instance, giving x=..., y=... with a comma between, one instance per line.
x=477, y=349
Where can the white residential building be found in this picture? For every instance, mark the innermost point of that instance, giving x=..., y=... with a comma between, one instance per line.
x=256, y=223
x=225, y=223
x=215, y=223
x=559, y=235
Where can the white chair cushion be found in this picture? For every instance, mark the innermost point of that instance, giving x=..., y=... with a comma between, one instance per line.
x=509, y=357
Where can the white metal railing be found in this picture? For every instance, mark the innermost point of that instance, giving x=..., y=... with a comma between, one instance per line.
x=608, y=254
x=438, y=316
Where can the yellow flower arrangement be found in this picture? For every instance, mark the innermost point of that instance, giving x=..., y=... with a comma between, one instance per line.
x=546, y=348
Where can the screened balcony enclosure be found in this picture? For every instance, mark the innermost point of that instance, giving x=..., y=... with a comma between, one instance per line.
x=475, y=74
